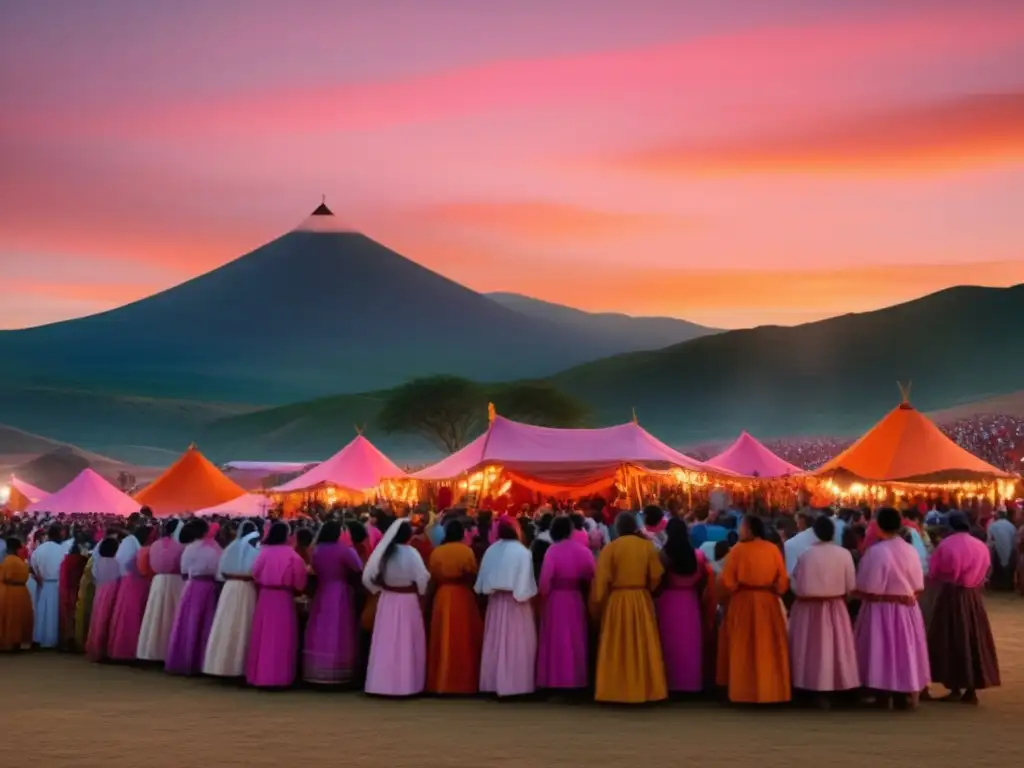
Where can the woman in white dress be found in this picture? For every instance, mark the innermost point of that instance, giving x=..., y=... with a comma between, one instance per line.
x=229, y=637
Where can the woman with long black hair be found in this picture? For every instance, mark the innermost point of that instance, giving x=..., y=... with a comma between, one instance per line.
x=679, y=610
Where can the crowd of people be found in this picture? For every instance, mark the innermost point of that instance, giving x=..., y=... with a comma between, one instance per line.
x=633, y=607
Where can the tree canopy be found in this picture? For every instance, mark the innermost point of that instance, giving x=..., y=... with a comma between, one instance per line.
x=449, y=411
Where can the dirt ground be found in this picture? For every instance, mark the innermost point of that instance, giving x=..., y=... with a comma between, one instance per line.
x=63, y=711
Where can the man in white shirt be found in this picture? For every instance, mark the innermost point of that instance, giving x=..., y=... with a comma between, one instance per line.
x=45, y=563
x=801, y=542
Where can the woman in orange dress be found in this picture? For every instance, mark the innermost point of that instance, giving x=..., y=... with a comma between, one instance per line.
x=456, y=628
x=753, y=661
x=16, y=614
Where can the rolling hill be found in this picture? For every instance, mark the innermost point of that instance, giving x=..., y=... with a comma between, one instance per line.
x=959, y=347
x=317, y=311
x=629, y=333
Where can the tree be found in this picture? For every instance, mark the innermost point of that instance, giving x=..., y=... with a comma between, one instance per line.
x=539, y=403
x=446, y=410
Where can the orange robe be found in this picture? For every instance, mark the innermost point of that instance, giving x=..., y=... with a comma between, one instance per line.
x=16, y=613
x=753, y=649
x=456, y=628
x=630, y=667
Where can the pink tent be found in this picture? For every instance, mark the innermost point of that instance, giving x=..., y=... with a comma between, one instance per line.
x=750, y=458
x=532, y=450
x=359, y=467
x=249, y=505
x=87, y=494
x=28, y=490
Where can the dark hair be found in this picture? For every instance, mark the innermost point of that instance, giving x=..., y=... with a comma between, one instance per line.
x=722, y=549
x=188, y=532
x=142, y=534
x=304, y=537
x=756, y=526
x=279, y=533
x=959, y=523
x=561, y=529
x=55, y=532
x=13, y=545
x=454, y=531
x=171, y=526
x=356, y=531
x=678, y=549
x=507, y=531
x=108, y=547
x=626, y=524
x=545, y=521
x=889, y=520
x=824, y=528
x=577, y=520
x=330, y=532
x=850, y=538
x=653, y=515
x=402, y=536
x=483, y=525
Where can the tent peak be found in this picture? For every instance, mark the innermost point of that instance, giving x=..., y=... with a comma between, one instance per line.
x=492, y=413
x=322, y=209
x=905, y=395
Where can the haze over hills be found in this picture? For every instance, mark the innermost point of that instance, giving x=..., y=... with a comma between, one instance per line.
x=629, y=333
x=317, y=311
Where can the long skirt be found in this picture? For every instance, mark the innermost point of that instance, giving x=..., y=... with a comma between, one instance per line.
x=161, y=608
x=822, y=651
x=564, y=638
x=273, y=641
x=71, y=580
x=46, y=630
x=123, y=643
x=681, y=629
x=330, y=647
x=509, y=656
x=100, y=621
x=960, y=644
x=753, y=661
x=456, y=641
x=892, y=650
x=630, y=667
x=1002, y=575
x=83, y=609
x=398, y=650
x=232, y=627
x=16, y=617
x=186, y=647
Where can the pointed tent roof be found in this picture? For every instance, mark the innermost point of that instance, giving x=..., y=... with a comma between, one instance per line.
x=748, y=457
x=359, y=466
x=87, y=494
x=528, y=449
x=189, y=484
x=907, y=447
x=23, y=495
x=247, y=505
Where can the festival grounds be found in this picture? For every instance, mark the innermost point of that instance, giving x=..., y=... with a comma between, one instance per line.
x=63, y=711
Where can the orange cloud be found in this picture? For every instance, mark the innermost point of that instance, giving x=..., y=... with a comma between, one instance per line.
x=549, y=222
x=969, y=131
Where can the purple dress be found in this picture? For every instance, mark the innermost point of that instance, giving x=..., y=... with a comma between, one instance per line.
x=279, y=573
x=186, y=648
x=332, y=630
x=681, y=629
x=565, y=576
x=892, y=650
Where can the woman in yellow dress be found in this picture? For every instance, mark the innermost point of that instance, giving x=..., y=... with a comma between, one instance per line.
x=83, y=610
x=16, y=614
x=630, y=667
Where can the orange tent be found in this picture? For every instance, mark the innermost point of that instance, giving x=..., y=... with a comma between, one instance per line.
x=907, y=447
x=190, y=484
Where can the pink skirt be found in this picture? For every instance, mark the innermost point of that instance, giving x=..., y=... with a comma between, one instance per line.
x=126, y=623
x=510, y=647
x=822, y=651
x=398, y=651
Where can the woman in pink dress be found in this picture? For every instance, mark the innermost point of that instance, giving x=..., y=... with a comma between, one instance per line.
x=509, y=658
x=565, y=576
x=164, y=593
x=106, y=574
x=279, y=574
x=331, y=647
x=186, y=648
x=823, y=655
x=679, y=610
x=130, y=608
x=398, y=649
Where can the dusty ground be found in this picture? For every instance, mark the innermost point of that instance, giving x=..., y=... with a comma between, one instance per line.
x=63, y=711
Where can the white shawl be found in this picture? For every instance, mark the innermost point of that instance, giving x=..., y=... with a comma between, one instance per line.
x=507, y=567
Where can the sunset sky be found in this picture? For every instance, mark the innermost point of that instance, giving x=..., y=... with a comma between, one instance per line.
x=734, y=163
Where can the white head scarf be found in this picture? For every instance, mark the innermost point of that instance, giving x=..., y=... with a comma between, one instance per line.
x=372, y=568
x=240, y=554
